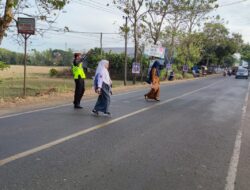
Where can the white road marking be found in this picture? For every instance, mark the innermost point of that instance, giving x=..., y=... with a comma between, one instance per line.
x=232, y=171
x=85, y=131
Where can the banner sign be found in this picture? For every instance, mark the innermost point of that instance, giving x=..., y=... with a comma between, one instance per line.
x=153, y=50
x=26, y=25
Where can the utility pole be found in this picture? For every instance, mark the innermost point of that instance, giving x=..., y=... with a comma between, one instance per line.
x=126, y=44
x=66, y=46
x=101, y=43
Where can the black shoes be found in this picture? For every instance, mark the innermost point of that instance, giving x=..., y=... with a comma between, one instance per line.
x=95, y=112
x=78, y=107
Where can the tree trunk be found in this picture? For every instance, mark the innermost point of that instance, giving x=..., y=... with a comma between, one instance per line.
x=207, y=62
x=136, y=48
x=6, y=19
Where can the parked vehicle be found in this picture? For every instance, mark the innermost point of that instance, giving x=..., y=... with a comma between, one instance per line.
x=234, y=70
x=242, y=73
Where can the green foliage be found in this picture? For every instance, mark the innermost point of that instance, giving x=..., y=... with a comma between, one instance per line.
x=188, y=76
x=116, y=61
x=3, y=66
x=174, y=68
x=95, y=56
x=57, y=4
x=178, y=76
x=229, y=61
x=44, y=9
x=218, y=45
x=53, y=72
x=51, y=57
x=10, y=58
x=189, y=56
x=65, y=73
x=163, y=74
x=245, y=52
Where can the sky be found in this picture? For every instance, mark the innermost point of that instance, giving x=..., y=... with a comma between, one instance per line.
x=89, y=18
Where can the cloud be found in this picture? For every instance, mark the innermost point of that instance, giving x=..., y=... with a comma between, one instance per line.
x=237, y=16
x=89, y=16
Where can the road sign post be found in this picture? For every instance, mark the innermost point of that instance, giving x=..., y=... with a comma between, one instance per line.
x=25, y=27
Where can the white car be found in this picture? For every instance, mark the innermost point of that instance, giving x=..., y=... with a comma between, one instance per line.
x=242, y=73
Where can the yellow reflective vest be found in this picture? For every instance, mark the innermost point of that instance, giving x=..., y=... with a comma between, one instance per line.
x=78, y=71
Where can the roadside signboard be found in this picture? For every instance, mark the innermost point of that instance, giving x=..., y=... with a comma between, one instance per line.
x=136, y=68
x=168, y=66
x=185, y=68
x=26, y=25
x=154, y=50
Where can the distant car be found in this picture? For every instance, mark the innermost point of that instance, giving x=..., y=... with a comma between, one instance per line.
x=242, y=73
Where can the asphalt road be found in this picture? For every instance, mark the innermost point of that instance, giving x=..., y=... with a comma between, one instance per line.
x=196, y=137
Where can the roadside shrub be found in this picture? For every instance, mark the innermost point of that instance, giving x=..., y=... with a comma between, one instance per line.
x=65, y=73
x=163, y=74
x=3, y=66
x=53, y=72
x=188, y=76
x=178, y=76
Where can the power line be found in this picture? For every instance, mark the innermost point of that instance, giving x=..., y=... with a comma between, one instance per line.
x=57, y=29
x=233, y=3
x=96, y=6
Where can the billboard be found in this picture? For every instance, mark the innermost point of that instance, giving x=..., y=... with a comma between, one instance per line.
x=154, y=50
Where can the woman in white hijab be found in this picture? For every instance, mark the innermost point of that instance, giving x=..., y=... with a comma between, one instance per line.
x=102, y=85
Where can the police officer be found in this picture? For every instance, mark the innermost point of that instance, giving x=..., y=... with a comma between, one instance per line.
x=79, y=76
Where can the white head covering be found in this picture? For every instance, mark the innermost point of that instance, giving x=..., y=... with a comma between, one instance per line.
x=101, y=66
x=103, y=72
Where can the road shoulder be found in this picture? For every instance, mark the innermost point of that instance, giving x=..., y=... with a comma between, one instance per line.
x=18, y=105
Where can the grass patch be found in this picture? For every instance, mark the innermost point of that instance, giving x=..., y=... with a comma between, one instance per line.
x=13, y=87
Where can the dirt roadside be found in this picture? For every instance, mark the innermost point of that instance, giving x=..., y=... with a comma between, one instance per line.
x=56, y=99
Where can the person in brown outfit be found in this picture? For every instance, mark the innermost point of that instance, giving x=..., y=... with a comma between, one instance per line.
x=154, y=73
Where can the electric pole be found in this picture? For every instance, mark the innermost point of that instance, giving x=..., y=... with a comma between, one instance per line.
x=126, y=43
x=101, y=42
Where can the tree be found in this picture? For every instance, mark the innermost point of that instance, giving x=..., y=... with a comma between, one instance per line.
x=214, y=34
x=3, y=66
x=135, y=11
x=219, y=43
x=174, y=28
x=157, y=11
x=10, y=58
x=245, y=52
x=194, y=51
x=237, y=39
x=195, y=14
x=196, y=11
x=13, y=8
